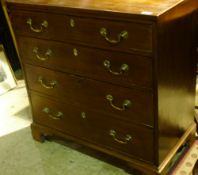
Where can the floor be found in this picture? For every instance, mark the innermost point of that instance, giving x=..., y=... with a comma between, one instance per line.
x=14, y=112
x=21, y=155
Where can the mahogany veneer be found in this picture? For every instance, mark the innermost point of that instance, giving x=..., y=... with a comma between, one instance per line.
x=116, y=76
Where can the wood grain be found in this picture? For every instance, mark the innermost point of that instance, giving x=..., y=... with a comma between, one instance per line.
x=161, y=44
x=89, y=62
x=139, y=34
x=143, y=7
x=92, y=94
x=95, y=127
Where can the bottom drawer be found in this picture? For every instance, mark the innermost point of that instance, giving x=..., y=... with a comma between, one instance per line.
x=86, y=124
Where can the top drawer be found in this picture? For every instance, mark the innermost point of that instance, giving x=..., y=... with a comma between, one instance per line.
x=124, y=36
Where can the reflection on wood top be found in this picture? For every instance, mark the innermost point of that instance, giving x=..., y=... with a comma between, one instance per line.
x=147, y=7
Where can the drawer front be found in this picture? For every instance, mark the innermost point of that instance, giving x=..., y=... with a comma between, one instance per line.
x=124, y=103
x=96, y=128
x=127, y=36
x=115, y=67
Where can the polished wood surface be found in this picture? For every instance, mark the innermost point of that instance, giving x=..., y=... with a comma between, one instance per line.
x=95, y=127
x=161, y=87
x=92, y=94
x=176, y=71
x=143, y=167
x=88, y=62
x=143, y=7
x=139, y=34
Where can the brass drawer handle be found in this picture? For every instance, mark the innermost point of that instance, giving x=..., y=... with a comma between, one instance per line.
x=123, y=68
x=126, y=103
x=48, y=54
x=50, y=85
x=124, y=141
x=43, y=25
x=54, y=115
x=122, y=35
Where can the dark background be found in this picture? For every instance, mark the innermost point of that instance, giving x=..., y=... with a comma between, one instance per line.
x=6, y=40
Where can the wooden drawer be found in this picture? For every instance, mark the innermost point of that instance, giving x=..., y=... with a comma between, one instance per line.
x=127, y=36
x=94, y=127
x=115, y=67
x=126, y=104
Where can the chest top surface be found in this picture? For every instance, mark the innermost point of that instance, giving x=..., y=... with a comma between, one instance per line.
x=147, y=7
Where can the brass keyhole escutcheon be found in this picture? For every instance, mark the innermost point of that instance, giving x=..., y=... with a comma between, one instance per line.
x=72, y=23
x=75, y=52
x=83, y=115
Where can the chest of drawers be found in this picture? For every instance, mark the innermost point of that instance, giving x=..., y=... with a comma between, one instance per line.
x=116, y=76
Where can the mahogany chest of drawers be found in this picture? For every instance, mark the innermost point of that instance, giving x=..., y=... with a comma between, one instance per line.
x=116, y=76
